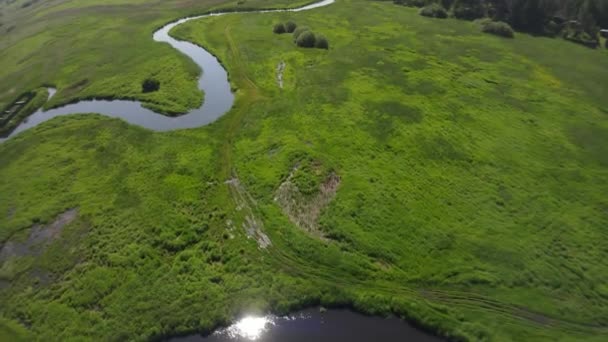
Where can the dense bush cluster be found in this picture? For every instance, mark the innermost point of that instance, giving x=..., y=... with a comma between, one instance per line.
x=290, y=26
x=468, y=9
x=304, y=37
x=434, y=11
x=278, y=28
x=321, y=42
x=298, y=31
x=287, y=27
x=575, y=20
x=149, y=85
x=498, y=28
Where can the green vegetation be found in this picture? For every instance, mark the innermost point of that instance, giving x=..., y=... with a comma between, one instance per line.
x=149, y=85
x=468, y=9
x=298, y=31
x=290, y=26
x=321, y=42
x=102, y=49
x=473, y=172
x=434, y=11
x=279, y=28
x=575, y=20
x=12, y=331
x=498, y=28
x=306, y=39
x=13, y=114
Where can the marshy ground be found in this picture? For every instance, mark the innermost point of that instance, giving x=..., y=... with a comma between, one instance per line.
x=472, y=178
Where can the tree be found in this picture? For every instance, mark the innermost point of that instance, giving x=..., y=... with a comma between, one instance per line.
x=468, y=9
x=298, y=31
x=149, y=85
x=321, y=42
x=290, y=26
x=278, y=28
x=306, y=39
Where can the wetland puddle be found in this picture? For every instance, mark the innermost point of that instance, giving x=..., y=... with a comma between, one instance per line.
x=39, y=236
x=313, y=325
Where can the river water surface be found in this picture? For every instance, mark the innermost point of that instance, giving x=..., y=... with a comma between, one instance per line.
x=315, y=326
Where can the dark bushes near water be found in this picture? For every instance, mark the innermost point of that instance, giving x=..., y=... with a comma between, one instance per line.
x=498, y=28
x=149, y=85
x=290, y=26
x=298, y=31
x=321, y=42
x=306, y=39
x=434, y=11
x=287, y=27
x=302, y=35
x=278, y=28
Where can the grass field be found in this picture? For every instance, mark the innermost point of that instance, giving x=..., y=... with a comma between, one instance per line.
x=473, y=173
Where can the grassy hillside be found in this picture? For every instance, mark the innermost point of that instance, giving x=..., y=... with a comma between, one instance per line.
x=470, y=171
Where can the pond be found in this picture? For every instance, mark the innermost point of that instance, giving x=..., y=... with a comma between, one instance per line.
x=314, y=325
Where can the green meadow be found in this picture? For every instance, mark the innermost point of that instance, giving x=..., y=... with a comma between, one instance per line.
x=449, y=177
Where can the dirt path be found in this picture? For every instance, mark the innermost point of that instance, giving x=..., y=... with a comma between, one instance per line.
x=280, y=69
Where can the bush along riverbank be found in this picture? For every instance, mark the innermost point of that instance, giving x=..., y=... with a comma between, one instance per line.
x=25, y=105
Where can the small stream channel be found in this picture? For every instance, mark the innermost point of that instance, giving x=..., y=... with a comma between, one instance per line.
x=213, y=82
x=313, y=325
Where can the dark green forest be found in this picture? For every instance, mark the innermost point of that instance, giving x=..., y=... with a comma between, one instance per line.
x=576, y=20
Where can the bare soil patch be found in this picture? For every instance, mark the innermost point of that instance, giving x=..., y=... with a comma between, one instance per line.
x=254, y=228
x=304, y=211
x=39, y=237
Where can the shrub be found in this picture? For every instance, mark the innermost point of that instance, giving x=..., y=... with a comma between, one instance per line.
x=580, y=37
x=306, y=39
x=298, y=31
x=468, y=9
x=434, y=11
x=498, y=28
x=290, y=26
x=149, y=85
x=411, y=3
x=278, y=28
x=552, y=28
x=321, y=42
x=606, y=43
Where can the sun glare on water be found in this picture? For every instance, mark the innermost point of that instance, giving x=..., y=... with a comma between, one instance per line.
x=249, y=327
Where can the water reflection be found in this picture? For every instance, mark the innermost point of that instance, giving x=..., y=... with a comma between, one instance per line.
x=313, y=325
x=250, y=327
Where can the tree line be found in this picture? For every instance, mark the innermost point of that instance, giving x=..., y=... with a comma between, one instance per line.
x=581, y=18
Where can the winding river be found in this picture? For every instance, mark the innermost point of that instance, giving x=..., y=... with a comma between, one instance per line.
x=213, y=82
